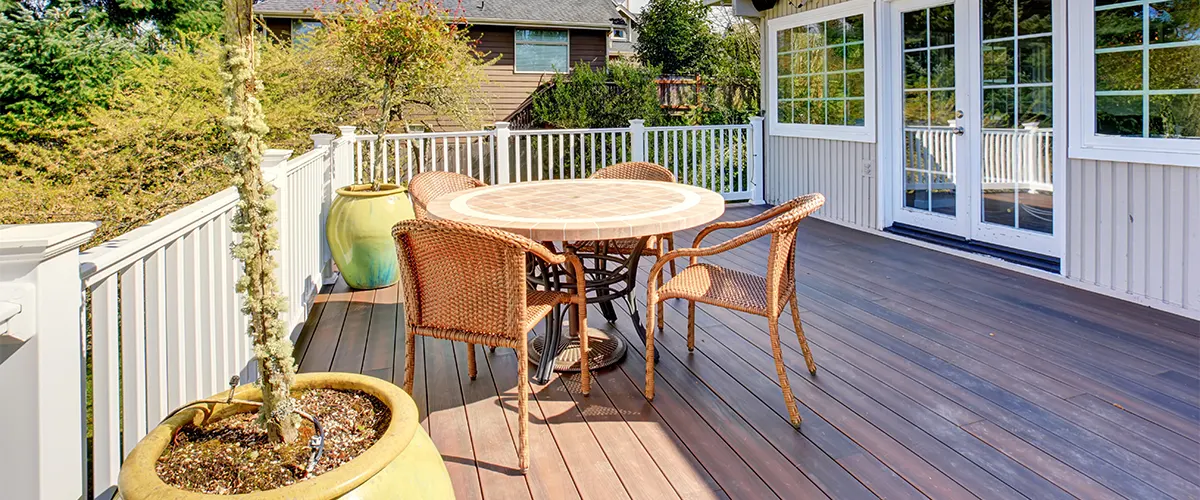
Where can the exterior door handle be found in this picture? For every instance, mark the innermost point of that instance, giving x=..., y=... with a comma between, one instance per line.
x=959, y=131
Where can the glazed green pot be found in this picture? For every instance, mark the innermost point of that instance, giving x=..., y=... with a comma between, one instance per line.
x=403, y=463
x=359, y=230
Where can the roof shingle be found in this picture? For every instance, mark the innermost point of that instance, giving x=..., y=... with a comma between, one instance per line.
x=573, y=12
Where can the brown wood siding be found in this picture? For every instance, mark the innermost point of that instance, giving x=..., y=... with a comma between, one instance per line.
x=507, y=89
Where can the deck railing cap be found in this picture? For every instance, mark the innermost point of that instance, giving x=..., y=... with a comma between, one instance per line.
x=38, y=242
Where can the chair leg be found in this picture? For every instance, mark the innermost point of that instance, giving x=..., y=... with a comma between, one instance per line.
x=669, y=240
x=788, y=399
x=523, y=405
x=691, y=325
x=585, y=373
x=808, y=357
x=471, y=360
x=410, y=359
x=661, y=315
x=651, y=309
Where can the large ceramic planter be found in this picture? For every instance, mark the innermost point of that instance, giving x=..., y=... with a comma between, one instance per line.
x=403, y=464
x=359, y=230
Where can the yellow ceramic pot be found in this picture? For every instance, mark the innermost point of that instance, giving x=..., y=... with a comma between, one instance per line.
x=359, y=230
x=403, y=464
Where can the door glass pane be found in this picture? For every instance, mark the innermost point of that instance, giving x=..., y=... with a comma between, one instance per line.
x=930, y=156
x=1018, y=111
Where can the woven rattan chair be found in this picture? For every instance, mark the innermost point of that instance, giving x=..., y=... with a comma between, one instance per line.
x=658, y=245
x=737, y=290
x=466, y=283
x=426, y=186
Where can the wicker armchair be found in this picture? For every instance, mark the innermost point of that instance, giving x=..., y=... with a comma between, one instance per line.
x=426, y=186
x=737, y=290
x=658, y=245
x=466, y=283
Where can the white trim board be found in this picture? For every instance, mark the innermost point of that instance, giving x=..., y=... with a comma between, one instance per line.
x=770, y=96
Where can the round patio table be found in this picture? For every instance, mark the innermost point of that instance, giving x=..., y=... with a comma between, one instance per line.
x=586, y=210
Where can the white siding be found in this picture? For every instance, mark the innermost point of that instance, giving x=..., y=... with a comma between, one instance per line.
x=843, y=171
x=1135, y=229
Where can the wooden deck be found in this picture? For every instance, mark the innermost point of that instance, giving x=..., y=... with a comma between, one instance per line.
x=938, y=377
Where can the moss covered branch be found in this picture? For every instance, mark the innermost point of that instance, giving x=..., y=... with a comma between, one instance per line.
x=255, y=221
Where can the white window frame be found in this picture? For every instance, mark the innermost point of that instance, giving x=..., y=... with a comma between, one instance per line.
x=864, y=133
x=535, y=72
x=614, y=31
x=1085, y=143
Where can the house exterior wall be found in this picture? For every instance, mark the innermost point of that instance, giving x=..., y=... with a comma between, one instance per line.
x=506, y=89
x=842, y=170
x=1132, y=230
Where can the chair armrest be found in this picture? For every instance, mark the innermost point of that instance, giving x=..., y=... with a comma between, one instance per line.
x=545, y=254
x=695, y=252
x=768, y=214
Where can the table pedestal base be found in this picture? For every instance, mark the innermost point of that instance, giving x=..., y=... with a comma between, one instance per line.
x=603, y=349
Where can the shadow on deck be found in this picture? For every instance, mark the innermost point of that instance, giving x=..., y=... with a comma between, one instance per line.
x=938, y=376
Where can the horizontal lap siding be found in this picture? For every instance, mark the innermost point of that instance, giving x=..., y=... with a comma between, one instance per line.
x=841, y=170
x=506, y=89
x=1135, y=229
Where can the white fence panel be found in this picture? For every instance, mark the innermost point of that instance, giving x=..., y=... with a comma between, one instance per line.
x=718, y=157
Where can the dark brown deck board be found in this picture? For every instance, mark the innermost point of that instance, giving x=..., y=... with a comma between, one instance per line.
x=938, y=376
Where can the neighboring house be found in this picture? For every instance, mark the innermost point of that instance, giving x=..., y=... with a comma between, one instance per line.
x=622, y=39
x=532, y=39
x=952, y=122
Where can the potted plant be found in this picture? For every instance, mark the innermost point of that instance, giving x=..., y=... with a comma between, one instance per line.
x=414, y=57
x=310, y=436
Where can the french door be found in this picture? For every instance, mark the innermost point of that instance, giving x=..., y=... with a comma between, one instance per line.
x=972, y=124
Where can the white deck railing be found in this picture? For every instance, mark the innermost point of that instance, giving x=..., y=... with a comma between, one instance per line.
x=153, y=317
x=718, y=157
x=1012, y=159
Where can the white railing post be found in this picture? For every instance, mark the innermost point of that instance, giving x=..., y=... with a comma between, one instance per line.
x=344, y=157
x=637, y=134
x=756, y=161
x=328, y=167
x=274, y=168
x=502, y=135
x=41, y=360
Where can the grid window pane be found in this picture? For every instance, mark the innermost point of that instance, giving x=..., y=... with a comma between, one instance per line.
x=1175, y=116
x=1146, y=57
x=825, y=67
x=1036, y=63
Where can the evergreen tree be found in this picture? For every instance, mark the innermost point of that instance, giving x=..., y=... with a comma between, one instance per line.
x=675, y=35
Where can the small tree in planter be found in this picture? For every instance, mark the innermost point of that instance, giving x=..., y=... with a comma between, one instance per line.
x=377, y=450
x=416, y=55
x=420, y=65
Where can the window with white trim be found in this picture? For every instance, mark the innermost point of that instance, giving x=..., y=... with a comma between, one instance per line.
x=1139, y=65
x=822, y=73
x=542, y=51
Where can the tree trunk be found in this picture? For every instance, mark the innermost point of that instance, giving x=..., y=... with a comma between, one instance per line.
x=255, y=221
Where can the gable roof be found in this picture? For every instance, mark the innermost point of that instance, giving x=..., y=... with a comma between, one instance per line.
x=575, y=13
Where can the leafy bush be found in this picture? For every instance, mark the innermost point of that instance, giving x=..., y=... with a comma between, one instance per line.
x=157, y=146
x=588, y=98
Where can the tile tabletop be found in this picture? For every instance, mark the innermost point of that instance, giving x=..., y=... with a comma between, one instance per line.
x=582, y=209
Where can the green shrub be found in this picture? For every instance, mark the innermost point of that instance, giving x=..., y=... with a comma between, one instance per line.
x=588, y=98
x=53, y=63
x=157, y=146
